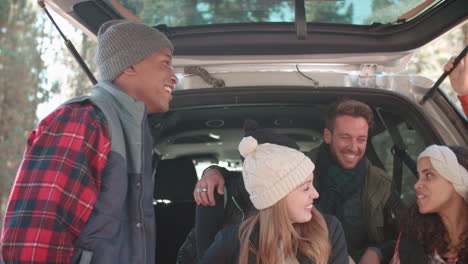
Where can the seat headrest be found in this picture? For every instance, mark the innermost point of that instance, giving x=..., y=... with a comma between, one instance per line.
x=175, y=180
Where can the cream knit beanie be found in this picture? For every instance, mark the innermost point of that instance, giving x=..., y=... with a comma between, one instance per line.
x=444, y=160
x=272, y=171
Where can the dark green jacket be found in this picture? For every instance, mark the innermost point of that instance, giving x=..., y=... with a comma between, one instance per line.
x=376, y=192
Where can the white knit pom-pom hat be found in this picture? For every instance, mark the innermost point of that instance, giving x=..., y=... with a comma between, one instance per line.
x=272, y=171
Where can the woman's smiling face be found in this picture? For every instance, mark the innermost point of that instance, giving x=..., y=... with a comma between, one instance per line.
x=300, y=201
x=433, y=191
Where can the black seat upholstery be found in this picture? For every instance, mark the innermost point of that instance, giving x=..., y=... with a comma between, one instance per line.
x=209, y=220
x=174, y=181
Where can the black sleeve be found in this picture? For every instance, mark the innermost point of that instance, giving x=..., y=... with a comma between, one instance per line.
x=225, y=247
x=225, y=172
x=339, y=254
x=387, y=249
x=209, y=220
x=393, y=210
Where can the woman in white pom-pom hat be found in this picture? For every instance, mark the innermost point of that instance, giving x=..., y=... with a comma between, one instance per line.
x=287, y=227
x=435, y=229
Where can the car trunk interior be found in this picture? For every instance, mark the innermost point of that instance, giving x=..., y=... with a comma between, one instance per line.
x=204, y=126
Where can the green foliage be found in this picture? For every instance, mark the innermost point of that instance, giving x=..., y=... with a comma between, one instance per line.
x=202, y=12
x=329, y=12
x=430, y=59
x=21, y=85
x=4, y=10
x=193, y=12
x=381, y=4
x=77, y=82
x=387, y=11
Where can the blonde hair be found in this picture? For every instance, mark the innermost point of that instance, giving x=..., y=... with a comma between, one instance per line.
x=310, y=238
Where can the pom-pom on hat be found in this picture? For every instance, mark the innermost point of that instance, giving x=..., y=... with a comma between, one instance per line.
x=271, y=170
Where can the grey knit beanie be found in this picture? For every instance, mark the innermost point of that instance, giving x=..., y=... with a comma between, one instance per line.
x=122, y=44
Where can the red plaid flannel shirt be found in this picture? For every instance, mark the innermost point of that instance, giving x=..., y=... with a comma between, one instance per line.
x=56, y=186
x=464, y=102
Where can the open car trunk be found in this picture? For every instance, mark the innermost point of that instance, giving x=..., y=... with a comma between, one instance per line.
x=263, y=27
x=204, y=126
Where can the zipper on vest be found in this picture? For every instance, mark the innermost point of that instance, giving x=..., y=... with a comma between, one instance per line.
x=141, y=189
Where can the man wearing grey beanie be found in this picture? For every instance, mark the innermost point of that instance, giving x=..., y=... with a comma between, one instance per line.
x=83, y=193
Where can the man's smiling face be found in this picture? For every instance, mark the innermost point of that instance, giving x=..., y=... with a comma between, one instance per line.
x=348, y=140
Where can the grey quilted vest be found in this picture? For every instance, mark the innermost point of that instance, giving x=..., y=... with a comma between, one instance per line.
x=121, y=228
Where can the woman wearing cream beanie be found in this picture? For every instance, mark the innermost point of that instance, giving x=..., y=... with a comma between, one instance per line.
x=287, y=227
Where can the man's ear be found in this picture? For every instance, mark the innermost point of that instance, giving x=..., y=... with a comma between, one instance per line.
x=130, y=71
x=327, y=135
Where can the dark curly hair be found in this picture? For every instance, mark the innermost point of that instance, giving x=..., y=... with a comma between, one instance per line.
x=429, y=230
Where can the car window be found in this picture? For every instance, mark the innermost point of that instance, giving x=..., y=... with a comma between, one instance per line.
x=413, y=138
x=204, y=12
x=302, y=123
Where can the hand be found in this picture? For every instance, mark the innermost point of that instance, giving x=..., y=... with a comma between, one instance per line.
x=459, y=76
x=370, y=257
x=210, y=179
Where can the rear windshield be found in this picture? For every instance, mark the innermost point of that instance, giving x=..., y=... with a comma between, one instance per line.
x=204, y=12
